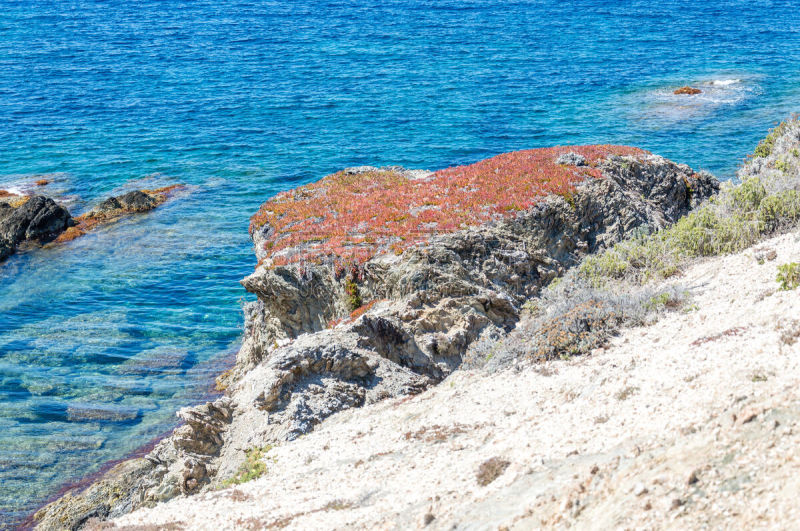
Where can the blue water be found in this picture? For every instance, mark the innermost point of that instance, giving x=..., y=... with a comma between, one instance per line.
x=102, y=339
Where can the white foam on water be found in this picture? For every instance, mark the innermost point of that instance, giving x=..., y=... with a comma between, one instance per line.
x=723, y=82
x=16, y=190
x=663, y=105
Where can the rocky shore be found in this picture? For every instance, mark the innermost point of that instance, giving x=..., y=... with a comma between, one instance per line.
x=28, y=221
x=378, y=283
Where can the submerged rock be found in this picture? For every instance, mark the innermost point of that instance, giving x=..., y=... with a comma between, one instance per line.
x=374, y=282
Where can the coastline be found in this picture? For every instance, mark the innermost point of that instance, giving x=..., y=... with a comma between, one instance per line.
x=219, y=366
x=554, y=280
x=321, y=339
x=78, y=485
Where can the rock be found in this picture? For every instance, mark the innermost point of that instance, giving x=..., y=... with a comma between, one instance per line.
x=116, y=207
x=131, y=202
x=572, y=159
x=116, y=493
x=83, y=413
x=687, y=91
x=34, y=220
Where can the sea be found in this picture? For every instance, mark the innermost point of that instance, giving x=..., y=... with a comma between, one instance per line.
x=104, y=338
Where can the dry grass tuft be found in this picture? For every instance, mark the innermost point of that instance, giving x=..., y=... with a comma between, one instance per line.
x=490, y=470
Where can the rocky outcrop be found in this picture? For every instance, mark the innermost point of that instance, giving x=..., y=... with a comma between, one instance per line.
x=114, y=208
x=35, y=220
x=345, y=318
x=29, y=220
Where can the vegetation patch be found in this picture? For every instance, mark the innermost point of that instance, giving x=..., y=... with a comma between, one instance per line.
x=252, y=468
x=789, y=276
x=350, y=217
x=571, y=318
x=764, y=148
x=739, y=216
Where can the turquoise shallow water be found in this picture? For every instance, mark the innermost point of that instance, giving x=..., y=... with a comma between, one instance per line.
x=103, y=339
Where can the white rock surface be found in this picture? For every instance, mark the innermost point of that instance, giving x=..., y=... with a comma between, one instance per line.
x=689, y=423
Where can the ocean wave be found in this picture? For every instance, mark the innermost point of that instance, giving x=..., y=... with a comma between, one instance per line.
x=722, y=82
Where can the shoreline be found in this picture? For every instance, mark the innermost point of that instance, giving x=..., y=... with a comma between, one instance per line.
x=329, y=336
x=81, y=484
x=323, y=336
x=223, y=364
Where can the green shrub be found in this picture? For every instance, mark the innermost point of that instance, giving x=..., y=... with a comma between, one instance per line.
x=353, y=294
x=780, y=209
x=764, y=148
x=252, y=468
x=730, y=222
x=789, y=276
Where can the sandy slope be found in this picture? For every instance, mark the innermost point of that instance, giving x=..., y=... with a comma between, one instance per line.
x=689, y=423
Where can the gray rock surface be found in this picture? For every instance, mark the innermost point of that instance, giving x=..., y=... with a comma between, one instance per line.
x=297, y=366
x=135, y=201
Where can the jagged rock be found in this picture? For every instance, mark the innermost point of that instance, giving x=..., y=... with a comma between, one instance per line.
x=116, y=207
x=204, y=424
x=571, y=158
x=690, y=91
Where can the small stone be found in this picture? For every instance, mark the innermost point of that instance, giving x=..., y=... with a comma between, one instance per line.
x=693, y=478
x=639, y=489
x=647, y=506
x=676, y=503
x=772, y=254
x=427, y=519
x=747, y=415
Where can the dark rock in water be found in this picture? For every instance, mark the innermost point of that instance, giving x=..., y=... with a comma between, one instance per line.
x=115, y=208
x=109, y=205
x=84, y=412
x=138, y=201
x=37, y=219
